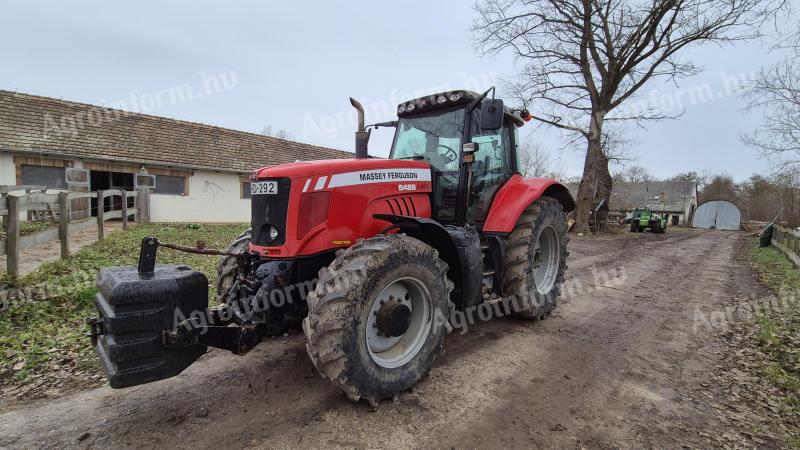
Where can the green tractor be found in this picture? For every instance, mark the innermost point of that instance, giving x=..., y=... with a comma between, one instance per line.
x=644, y=218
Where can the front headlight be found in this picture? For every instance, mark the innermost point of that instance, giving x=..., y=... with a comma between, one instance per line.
x=273, y=233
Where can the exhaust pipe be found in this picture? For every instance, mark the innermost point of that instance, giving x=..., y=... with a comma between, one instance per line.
x=362, y=136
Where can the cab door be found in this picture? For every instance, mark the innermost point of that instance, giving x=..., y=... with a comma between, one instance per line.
x=493, y=165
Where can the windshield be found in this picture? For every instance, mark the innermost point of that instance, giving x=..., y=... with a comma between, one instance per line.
x=435, y=137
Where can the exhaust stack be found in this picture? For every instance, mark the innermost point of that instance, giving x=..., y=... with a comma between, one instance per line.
x=362, y=135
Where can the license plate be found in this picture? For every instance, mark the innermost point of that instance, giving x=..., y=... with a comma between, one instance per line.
x=264, y=187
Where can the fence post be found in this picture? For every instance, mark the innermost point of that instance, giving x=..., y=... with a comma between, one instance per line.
x=63, y=222
x=143, y=205
x=101, y=206
x=12, y=237
x=5, y=218
x=135, y=207
x=124, y=209
x=29, y=213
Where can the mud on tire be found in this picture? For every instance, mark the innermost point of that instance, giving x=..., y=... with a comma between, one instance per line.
x=340, y=308
x=527, y=300
x=226, y=268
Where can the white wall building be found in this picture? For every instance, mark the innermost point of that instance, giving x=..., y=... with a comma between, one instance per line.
x=198, y=173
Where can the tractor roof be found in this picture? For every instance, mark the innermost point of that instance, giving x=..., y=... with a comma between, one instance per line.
x=448, y=99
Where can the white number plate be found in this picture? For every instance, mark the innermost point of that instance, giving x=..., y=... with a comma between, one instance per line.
x=264, y=187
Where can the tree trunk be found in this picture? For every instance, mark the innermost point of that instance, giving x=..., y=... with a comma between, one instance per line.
x=603, y=192
x=595, y=175
x=588, y=187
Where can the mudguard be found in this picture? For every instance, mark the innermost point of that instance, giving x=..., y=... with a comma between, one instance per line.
x=517, y=194
x=459, y=247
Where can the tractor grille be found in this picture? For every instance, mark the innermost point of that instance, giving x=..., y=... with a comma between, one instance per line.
x=270, y=210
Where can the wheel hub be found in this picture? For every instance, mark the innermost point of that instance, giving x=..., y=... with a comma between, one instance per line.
x=399, y=322
x=393, y=318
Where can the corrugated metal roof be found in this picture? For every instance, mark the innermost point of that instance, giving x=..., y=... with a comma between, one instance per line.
x=717, y=214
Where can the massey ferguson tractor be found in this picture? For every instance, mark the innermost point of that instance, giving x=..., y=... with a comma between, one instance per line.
x=372, y=257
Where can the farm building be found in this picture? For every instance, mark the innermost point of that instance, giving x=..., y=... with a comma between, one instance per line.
x=717, y=215
x=678, y=199
x=195, y=172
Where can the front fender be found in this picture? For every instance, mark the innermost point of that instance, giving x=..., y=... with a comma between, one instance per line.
x=517, y=194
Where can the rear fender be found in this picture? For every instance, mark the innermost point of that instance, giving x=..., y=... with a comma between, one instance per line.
x=516, y=195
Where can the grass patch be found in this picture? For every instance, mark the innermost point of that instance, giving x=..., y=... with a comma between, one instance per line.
x=778, y=332
x=41, y=327
x=26, y=228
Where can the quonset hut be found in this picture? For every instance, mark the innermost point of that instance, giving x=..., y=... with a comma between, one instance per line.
x=717, y=214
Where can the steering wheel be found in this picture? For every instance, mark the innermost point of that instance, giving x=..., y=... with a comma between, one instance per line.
x=450, y=155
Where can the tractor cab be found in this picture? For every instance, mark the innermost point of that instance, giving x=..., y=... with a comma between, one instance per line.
x=470, y=142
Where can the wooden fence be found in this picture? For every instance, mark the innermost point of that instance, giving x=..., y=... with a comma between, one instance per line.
x=59, y=205
x=787, y=240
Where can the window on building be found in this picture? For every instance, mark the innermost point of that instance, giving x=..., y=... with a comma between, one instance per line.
x=52, y=177
x=170, y=184
x=144, y=181
x=246, y=189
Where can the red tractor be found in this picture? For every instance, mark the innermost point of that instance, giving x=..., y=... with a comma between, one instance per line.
x=372, y=257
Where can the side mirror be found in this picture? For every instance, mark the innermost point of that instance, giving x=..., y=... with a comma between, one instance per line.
x=492, y=114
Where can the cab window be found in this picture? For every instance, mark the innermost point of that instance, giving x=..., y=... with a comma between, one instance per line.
x=491, y=168
x=436, y=138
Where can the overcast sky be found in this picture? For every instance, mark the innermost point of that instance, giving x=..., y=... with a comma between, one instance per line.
x=291, y=65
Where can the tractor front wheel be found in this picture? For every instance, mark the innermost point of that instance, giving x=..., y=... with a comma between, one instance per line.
x=536, y=258
x=226, y=268
x=378, y=316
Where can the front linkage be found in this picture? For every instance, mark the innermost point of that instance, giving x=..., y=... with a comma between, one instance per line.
x=154, y=320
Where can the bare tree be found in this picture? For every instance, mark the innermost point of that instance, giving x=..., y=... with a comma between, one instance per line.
x=776, y=91
x=280, y=134
x=637, y=174
x=582, y=61
x=690, y=177
x=721, y=187
x=533, y=160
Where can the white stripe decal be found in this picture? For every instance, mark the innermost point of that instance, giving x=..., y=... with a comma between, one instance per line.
x=320, y=183
x=305, y=187
x=379, y=176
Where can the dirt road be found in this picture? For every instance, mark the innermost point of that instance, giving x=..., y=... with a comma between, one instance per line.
x=622, y=363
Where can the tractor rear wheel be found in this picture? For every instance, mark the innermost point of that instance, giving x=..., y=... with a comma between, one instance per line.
x=226, y=268
x=378, y=316
x=536, y=258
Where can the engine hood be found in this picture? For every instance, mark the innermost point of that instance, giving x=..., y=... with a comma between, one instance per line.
x=305, y=169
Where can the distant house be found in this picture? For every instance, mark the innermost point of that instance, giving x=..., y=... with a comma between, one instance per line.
x=196, y=172
x=678, y=199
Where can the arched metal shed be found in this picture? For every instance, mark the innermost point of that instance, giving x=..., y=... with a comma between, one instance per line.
x=717, y=214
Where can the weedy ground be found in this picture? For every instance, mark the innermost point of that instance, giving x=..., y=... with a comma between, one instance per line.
x=777, y=335
x=29, y=227
x=43, y=347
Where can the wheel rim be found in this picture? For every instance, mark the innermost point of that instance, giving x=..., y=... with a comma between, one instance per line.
x=546, y=258
x=391, y=352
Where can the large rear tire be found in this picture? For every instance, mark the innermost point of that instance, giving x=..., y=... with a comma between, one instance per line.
x=655, y=227
x=226, y=268
x=536, y=259
x=346, y=338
